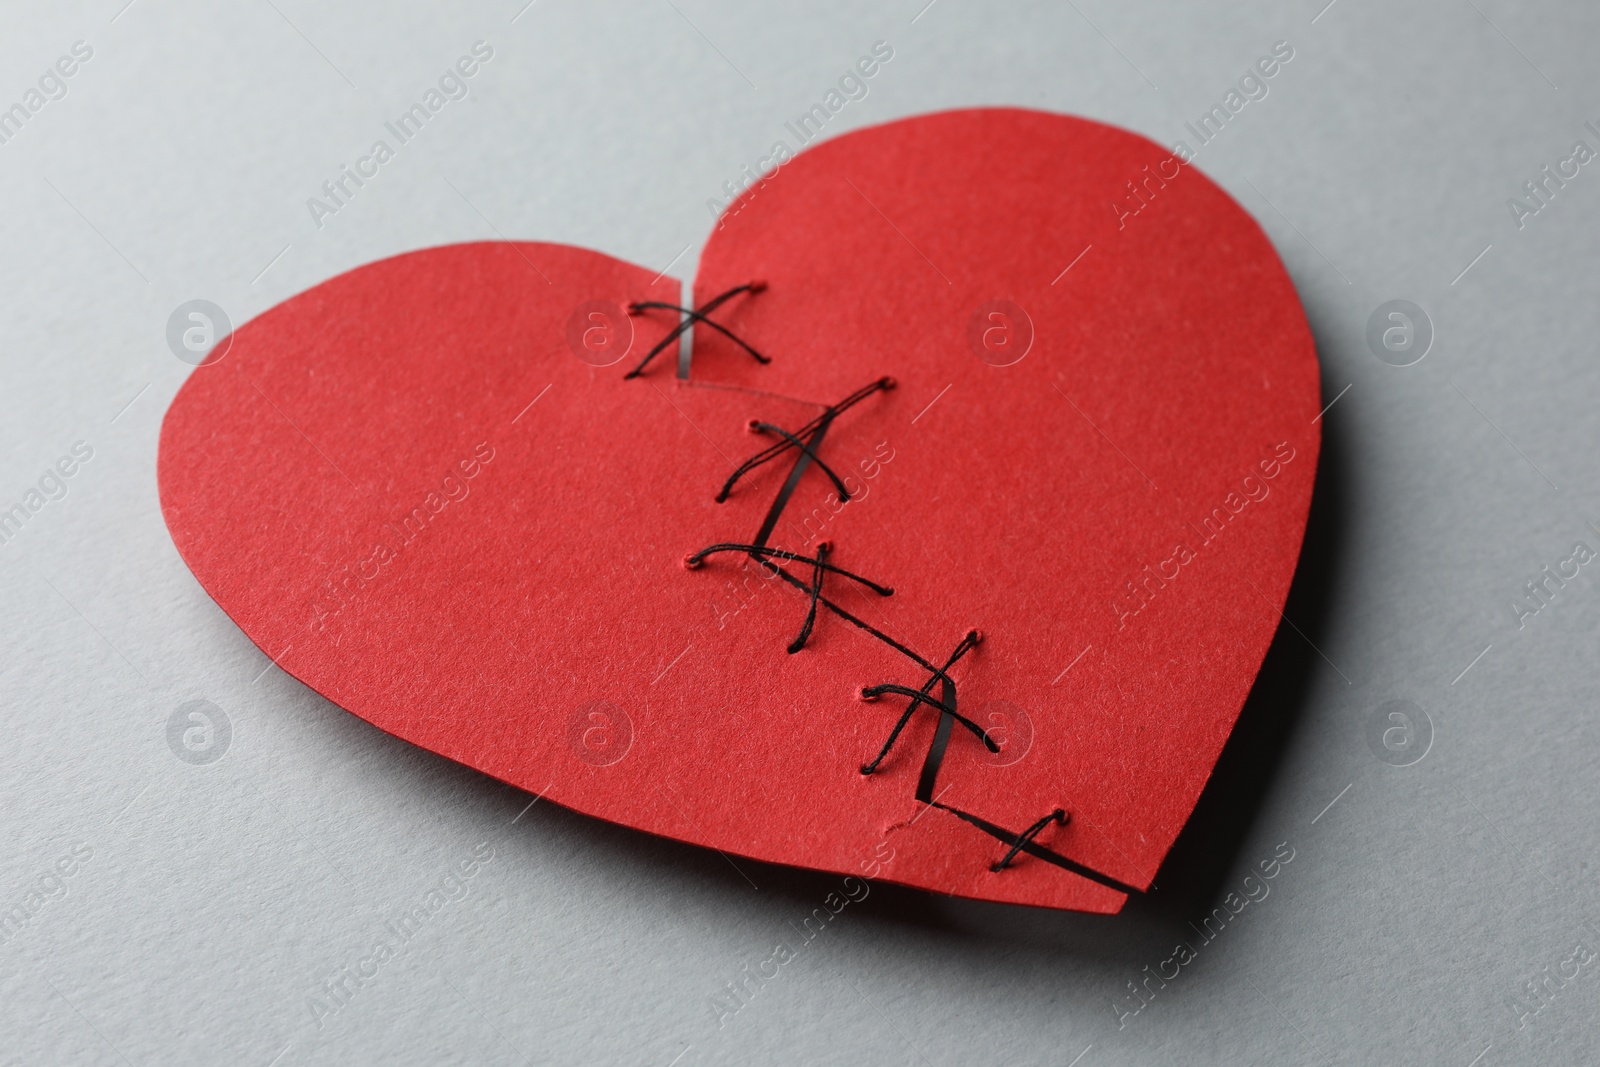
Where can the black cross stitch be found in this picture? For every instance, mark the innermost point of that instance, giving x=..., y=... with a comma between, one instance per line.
x=806, y=442
x=691, y=315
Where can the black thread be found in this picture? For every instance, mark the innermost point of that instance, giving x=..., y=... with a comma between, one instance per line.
x=699, y=315
x=692, y=315
x=699, y=557
x=920, y=697
x=759, y=551
x=940, y=704
x=928, y=777
x=806, y=441
x=818, y=569
x=819, y=565
x=1033, y=848
x=862, y=624
x=790, y=484
x=810, y=434
x=838, y=482
x=1058, y=817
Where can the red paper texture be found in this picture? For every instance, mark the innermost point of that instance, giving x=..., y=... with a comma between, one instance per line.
x=362, y=484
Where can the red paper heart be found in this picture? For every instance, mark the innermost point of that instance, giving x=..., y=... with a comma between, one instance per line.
x=407, y=487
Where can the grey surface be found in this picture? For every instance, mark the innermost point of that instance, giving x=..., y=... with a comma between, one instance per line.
x=220, y=895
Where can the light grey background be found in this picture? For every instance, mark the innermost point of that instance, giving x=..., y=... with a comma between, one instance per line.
x=219, y=896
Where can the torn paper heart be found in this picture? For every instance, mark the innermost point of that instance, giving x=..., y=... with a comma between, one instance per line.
x=430, y=491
